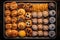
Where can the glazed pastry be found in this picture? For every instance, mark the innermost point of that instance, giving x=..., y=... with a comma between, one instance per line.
x=14, y=13
x=14, y=19
x=8, y=26
x=34, y=14
x=52, y=26
x=40, y=26
x=34, y=20
x=21, y=25
x=45, y=13
x=45, y=21
x=34, y=33
x=52, y=19
x=51, y=6
x=52, y=33
x=21, y=12
x=46, y=33
x=40, y=21
x=8, y=19
x=52, y=12
x=14, y=33
x=22, y=33
x=7, y=12
x=8, y=33
x=28, y=23
x=13, y=5
x=45, y=27
x=14, y=26
x=7, y=5
x=28, y=31
x=40, y=33
x=40, y=14
x=28, y=15
x=21, y=18
x=34, y=27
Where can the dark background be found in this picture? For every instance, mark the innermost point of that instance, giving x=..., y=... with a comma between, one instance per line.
x=58, y=17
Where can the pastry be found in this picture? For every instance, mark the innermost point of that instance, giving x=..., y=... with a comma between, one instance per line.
x=40, y=20
x=34, y=27
x=34, y=14
x=28, y=15
x=8, y=19
x=40, y=26
x=34, y=20
x=45, y=33
x=13, y=5
x=45, y=27
x=8, y=26
x=14, y=19
x=22, y=33
x=14, y=13
x=7, y=12
x=40, y=33
x=28, y=23
x=34, y=33
x=21, y=25
x=7, y=5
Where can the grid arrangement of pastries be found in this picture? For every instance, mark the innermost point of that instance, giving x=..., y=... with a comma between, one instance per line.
x=29, y=19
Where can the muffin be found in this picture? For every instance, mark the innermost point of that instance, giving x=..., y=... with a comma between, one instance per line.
x=28, y=23
x=40, y=26
x=40, y=33
x=45, y=27
x=21, y=11
x=14, y=19
x=21, y=18
x=34, y=14
x=34, y=33
x=22, y=33
x=40, y=20
x=34, y=27
x=51, y=6
x=46, y=33
x=52, y=19
x=14, y=26
x=52, y=12
x=34, y=20
x=7, y=12
x=13, y=5
x=45, y=13
x=28, y=15
x=45, y=21
x=8, y=33
x=52, y=33
x=7, y=5
x=14, y=33
x=52, y=26
x=40, y=14
x=21, y=25
x=8, y=19
x=14, y=13
x=28, y=31
x=8, y=26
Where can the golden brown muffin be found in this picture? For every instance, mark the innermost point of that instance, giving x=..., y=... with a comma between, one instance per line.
x=14, y=33
x=28, y=15
x=14, y=13
x=8, y=26
x=22, y=33
x=28, y=23
x=21, y=11
x=45, y=13
x=29, y=31
x=8, y=33
x=21, y=18
x=13, y=5
x=21, y=25
x=7, y=5
x=14, y=26
x=8, y=19
x=14, y=19
x=7, y=12
x=45, y=21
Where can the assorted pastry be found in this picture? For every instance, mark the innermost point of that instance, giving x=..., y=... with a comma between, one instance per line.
x=29, y=19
